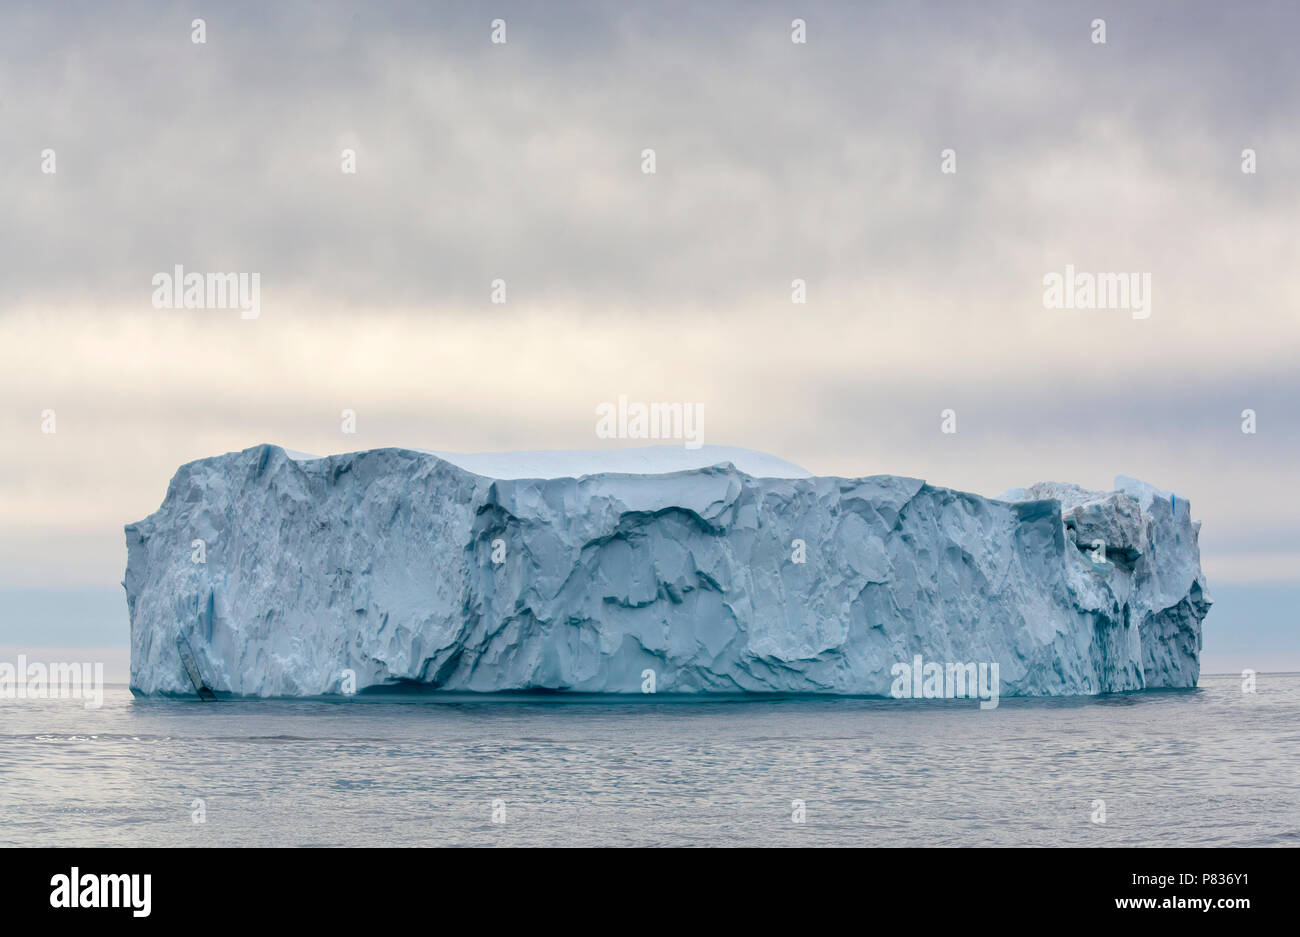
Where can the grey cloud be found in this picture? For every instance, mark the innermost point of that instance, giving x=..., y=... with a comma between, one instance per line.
x=523, y=161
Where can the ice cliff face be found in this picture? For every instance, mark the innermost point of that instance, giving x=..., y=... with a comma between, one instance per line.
x=400, y=566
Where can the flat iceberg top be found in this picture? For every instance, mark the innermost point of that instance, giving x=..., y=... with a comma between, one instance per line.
x=640, y=460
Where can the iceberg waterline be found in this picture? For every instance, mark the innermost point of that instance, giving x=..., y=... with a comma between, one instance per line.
x=394, y=566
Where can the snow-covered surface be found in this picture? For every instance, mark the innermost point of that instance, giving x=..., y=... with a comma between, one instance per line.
x=637, y=460
x=640, y=460
x=396, y=566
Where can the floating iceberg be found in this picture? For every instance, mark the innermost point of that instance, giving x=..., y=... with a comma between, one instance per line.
x=717, y=570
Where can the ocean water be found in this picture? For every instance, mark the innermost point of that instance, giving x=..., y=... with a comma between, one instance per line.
x=1212, y=766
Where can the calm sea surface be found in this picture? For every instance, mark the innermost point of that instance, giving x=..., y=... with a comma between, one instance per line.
x=1211, y=766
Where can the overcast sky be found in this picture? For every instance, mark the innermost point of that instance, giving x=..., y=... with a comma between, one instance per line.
x=775, y=160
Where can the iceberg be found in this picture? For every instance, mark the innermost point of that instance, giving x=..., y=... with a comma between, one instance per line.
x=267, y=573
